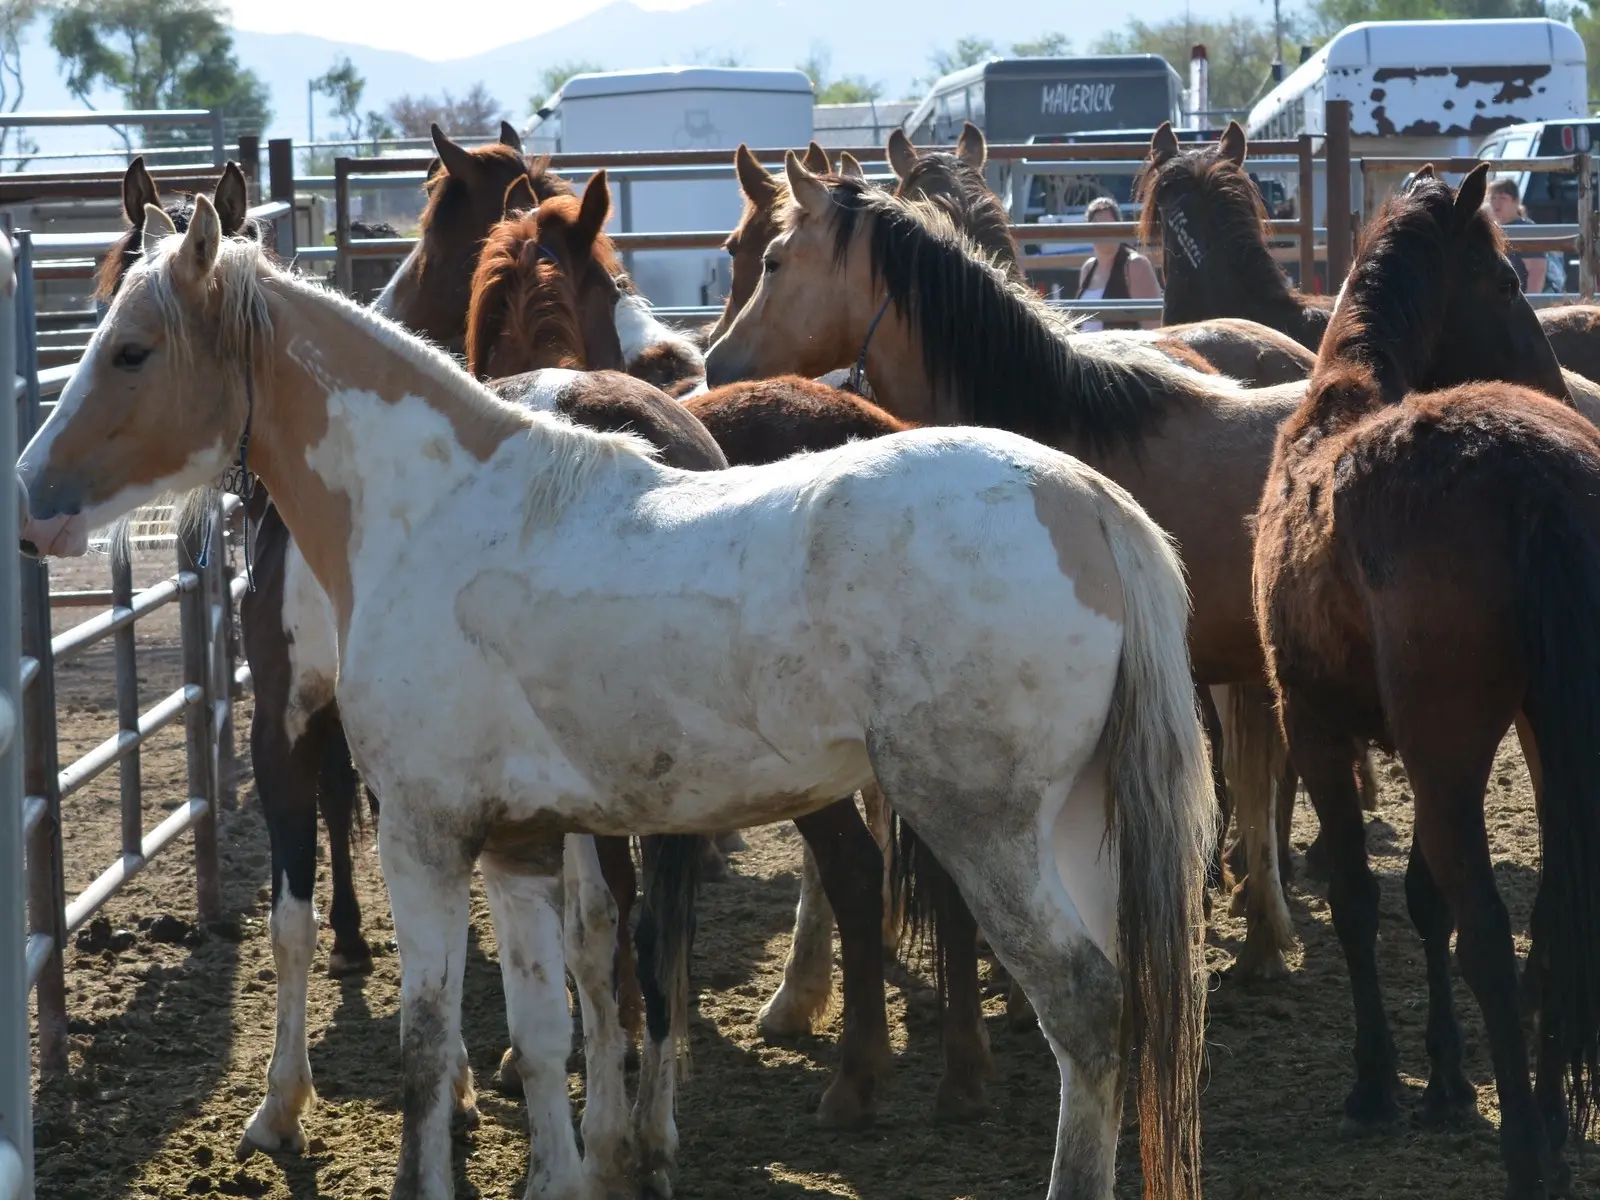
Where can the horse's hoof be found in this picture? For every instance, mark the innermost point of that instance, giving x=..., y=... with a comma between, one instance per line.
x=259, y=1135
x=731, y=842
x=465, y=1120
x=507, y=1079
x=842, y=1107
x=779, y=1018
x=1258, y=965
x=1369, y=1113
x=1317, y=866
x=954, y=1106
x=656, y=1185
x=1448, y=1103
x=342, y=965
x=713, y=867
x=1239, y=899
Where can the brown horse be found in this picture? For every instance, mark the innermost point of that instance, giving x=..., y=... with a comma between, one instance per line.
x=466, y=196
x=1427, y=570
x=1212, y=225
x=958, y=343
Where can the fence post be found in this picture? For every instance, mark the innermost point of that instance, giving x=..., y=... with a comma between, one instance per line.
x=1337, y=152
x=127, y=706
x=343, y=274
x=1308, y=217
x=47, y=901
x=280, y=186
x=1583, y=165
x=219, y=141
x=625, y=218
x=250, y=163
x=199, y=725
x=16, y=1122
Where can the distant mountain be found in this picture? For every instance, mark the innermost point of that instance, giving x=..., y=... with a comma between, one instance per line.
x=887, y=41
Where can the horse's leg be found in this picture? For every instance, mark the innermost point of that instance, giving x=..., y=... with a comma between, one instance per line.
x=1255, y=759
x=591, y=928
x=850, y=868
x=1449, y=1095
x=286, y=782
x=1216, y=869
x=967, y=1063
x=807, y=984
x=1326, y=759
x=338, y=795
x=664, y=940
x=428, y=879
x=616, y=865
x=1529, y=994
x=524, y=891
x=713, y=863
x=877, y=816
x=1448, y=755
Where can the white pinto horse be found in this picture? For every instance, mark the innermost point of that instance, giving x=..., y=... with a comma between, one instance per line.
x=543, y=632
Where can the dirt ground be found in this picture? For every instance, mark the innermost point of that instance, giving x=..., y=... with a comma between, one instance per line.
x=170, y=1043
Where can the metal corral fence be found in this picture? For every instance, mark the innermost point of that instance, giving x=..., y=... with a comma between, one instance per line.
x=36, y=915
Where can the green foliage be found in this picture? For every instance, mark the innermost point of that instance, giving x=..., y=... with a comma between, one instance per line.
x=160, y=54
x=1046, y=45
x=1240, y=49
x=967, y=52
x=15, y=17
x=551, y=79
x=477, y=114
x=1327, y=17
x=343, y=84
x=847, y=89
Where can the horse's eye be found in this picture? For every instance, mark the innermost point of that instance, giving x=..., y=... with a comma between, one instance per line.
x=769, y=265
x=131, y=358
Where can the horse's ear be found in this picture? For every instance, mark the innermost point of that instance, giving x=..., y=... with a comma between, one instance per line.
x=816, y=159
x=156, y=224
x=1164, y=144
x=1474, y=189
x=192, y=265
x=510, y=137
x=902, y=154
x=970, y=146
x=759, y=187
x=1425, y=171
x=138, y=189
x=850, y=167
x=519, y=196
x=1232, y=144
x=809, y=192
x=232, y=200
x=595, y=207
x=455, y=159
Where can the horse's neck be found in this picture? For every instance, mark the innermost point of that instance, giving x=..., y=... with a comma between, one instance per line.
x=899, y=376
x=360, y=433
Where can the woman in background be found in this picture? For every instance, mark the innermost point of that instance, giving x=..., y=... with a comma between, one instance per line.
x=1116, y=272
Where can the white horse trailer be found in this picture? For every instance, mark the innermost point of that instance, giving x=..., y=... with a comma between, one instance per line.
x=675, y=108
x=1429, y=88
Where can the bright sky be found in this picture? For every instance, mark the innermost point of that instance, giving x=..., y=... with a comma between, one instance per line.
x=415, y=27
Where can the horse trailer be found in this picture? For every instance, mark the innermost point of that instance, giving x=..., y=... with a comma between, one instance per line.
x=675, y=108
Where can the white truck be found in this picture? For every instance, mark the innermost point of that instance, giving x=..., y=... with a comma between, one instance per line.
x=675, y=108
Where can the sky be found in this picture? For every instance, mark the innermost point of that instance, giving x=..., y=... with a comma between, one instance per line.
x=414, y=25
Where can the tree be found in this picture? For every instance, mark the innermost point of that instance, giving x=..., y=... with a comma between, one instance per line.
x=477, y=114
x=15, y=17
x=1046, y=45
x=967, y=52
x=552, y=79
x=160, y=54
x=703, y=57
x=343, y=84
x=1327, y=17
x=1240, y=49
x=847, y=89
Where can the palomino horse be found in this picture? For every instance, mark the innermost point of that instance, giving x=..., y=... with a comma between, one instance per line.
x=1193, y=448
x=619, y=646
x=1427, y=571
x=1212, y=224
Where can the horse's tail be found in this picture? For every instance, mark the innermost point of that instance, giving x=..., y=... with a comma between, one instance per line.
x=665, y=934
x=925, y=898
x=1558, y=596
x=1163, y=819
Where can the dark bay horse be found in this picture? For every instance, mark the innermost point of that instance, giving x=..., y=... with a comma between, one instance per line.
x=1427, y=570
x=1211, y=223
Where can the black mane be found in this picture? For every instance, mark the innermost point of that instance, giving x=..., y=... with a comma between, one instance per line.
x=958, y=190
x=1005, y=362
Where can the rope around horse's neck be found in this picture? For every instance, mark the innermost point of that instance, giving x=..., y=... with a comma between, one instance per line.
x=238, y=479
x=856, y=381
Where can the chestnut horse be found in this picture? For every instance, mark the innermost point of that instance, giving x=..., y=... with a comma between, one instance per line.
x=1427, y=570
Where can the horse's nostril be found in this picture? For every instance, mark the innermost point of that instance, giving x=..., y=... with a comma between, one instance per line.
x=29, y=548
